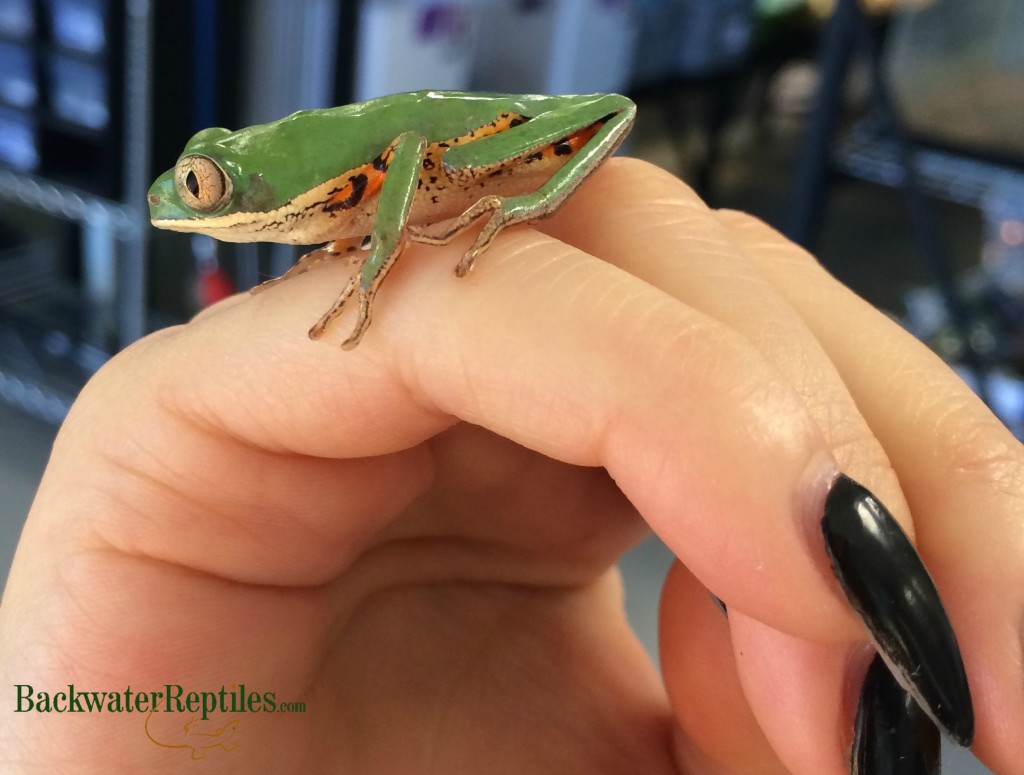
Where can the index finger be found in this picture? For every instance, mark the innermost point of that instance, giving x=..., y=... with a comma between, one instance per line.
x=548, y=346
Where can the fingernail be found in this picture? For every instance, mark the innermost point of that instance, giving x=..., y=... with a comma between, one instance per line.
x=892, y=735
x=887, y=584
x=719, y=603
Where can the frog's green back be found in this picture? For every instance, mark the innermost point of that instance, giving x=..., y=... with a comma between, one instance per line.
x=294, y=154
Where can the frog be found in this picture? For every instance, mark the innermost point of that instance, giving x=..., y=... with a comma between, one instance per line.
x=366, y=179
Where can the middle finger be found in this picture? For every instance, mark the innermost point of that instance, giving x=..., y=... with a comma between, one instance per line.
x=705, y=270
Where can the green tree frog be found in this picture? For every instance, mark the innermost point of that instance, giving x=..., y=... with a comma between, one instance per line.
x=420, y=167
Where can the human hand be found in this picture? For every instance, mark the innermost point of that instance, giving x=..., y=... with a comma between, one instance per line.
x=417, y=539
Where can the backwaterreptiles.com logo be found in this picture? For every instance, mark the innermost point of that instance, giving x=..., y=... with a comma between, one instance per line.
x=200, y=733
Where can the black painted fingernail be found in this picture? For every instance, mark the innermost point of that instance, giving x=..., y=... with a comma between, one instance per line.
x=887, y=584
x=892, y=735
x=719, y=603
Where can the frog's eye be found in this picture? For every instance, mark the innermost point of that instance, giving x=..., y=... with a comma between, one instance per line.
x=201, y=183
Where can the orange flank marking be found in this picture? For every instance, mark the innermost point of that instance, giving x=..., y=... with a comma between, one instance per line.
x=571, y=144
x=565, y=147
x=584, y=136
x=363, y=182
x=374, y=180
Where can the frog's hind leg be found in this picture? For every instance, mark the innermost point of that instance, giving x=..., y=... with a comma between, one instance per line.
x=591, y=148
x=346, y=249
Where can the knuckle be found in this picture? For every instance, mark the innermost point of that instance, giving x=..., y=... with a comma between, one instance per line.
x=978, y=446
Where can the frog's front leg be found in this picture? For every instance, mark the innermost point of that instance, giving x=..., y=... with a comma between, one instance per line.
x=388, y=237
x=591, y=133
x=346, y=249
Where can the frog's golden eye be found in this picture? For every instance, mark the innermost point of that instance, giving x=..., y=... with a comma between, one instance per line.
x=202, y=184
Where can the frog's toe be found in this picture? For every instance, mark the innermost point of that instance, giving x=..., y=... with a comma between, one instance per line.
x=362, y=322
x=336, y=309
x=465, y=265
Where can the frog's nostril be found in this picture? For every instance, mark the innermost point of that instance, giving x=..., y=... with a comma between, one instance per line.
x=154, y=199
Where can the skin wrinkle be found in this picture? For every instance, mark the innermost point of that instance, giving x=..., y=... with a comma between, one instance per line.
x=695, y=243
x=91, y=501
x=227, y=519
x=300, y=606
x=185, y=399
x=827, y=403
x=65, y=575
x=185, y=505
x=591, y=289
x=580, y=278
x=703, y=354
x=401, y=383
x=799, y=365
x=491, y=393
x=564, y=266
x=851, y=447
x=390, y=568
x=646, y=323
x=758, y=397
x=408, y=374
x=579, y=494
x=978, y=452
x=480, y=645
x=78, y=570
x=523, y=243
x=223, y=513
x=425, y=561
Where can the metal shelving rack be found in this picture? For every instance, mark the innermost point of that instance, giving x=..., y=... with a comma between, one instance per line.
x=49, y=364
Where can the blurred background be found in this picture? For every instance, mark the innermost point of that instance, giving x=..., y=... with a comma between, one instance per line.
x=887, y=136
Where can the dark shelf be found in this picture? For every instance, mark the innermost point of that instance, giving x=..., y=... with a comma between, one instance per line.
x=66, y=307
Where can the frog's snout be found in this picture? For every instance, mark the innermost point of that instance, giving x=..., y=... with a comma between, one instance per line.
x=163, y=202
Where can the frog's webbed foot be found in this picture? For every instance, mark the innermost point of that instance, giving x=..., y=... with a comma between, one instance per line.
x=363, y=317
x=347, y=249
x=453, y=228
x=505, y=211
x=499, y=219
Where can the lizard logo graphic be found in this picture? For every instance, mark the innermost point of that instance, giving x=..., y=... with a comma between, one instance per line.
x=201, y=742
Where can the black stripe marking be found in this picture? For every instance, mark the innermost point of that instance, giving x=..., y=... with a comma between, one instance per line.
x=358, y=187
